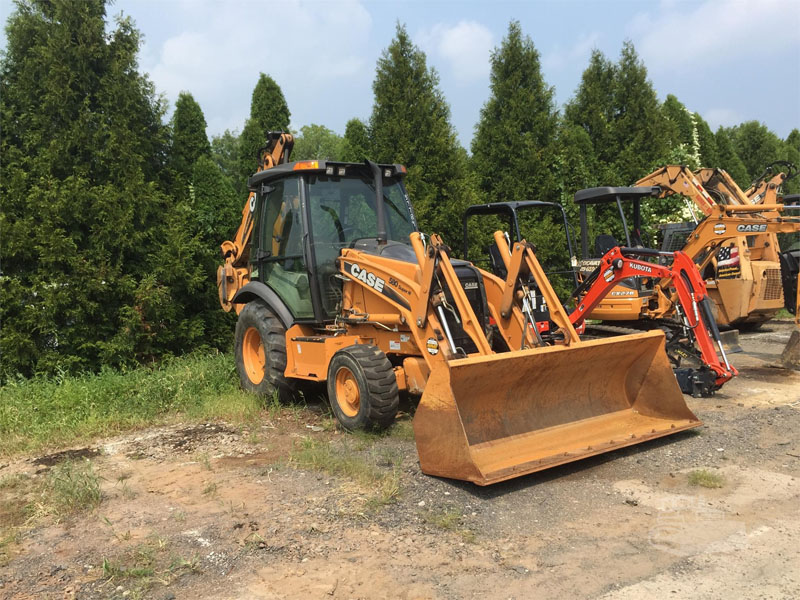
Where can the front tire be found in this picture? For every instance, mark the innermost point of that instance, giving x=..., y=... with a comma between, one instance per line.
x=362, y=388
x=260, y=347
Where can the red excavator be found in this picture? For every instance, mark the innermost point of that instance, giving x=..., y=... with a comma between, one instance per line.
x=692, y=333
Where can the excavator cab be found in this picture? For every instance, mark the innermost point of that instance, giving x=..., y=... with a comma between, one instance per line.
x=625, y=303
x=520, y=221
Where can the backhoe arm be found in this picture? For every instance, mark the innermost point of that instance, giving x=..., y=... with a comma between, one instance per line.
x=693, y=301
x=234, y=273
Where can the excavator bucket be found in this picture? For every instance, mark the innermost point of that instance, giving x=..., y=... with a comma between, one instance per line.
x=486, y=419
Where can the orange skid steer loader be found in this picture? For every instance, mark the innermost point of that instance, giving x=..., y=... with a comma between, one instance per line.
x=333, y=283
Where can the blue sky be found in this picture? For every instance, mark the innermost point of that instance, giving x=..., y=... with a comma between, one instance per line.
x=729, y=60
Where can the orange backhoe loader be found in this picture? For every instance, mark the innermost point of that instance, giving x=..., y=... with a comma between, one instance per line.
x=739, y=264
x=743, y=275
x=333, y=283
x=693, y=334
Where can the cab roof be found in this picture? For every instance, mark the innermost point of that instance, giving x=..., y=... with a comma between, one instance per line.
x=323, y=167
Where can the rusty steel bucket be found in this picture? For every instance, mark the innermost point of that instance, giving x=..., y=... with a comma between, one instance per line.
x=486, y=419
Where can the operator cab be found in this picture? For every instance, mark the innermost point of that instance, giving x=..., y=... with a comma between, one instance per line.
x=306, y=212
x=605, y=240
x=535, y=218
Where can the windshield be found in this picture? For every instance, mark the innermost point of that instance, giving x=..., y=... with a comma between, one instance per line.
x=342, y=211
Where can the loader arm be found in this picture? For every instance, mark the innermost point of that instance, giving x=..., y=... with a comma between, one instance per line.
x=676, y=179
x=727, y=223
x=520, y=263
x=765, y=189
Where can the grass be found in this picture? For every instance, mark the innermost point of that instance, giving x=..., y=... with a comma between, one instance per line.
x=354, y=460
x=705, y=478
x=145, y=564
x=48, y=413
x=451, y=519
x=70, y=487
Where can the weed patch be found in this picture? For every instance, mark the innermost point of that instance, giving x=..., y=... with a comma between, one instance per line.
x=349, y=458
x=706, y=479
x=70, y=487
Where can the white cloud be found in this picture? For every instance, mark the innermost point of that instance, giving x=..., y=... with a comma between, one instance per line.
x=311, y=49
x=465, y=49
x=577, y=54
x=679, y=35
x=726, y=117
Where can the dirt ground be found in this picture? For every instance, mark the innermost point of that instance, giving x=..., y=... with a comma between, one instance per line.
x=224, y=512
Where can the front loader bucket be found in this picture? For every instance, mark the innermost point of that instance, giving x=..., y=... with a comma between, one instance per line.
x=490, y=418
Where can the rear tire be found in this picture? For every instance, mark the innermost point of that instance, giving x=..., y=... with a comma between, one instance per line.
x=260, y=347
x=362, y=388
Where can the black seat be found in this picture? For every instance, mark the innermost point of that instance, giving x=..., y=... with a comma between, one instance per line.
x=498, y=266
x=603, y=243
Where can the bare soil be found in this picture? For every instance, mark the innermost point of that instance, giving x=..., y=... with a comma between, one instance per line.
x=220, y=511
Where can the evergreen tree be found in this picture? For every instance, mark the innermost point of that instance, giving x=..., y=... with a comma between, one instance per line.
x=729, y=159
x=268, y=112
x=680, y=120
x=189, y=140
x=638, y=130
x=793, y=156
x=708, y=144
x=593, y=110
x=410, y=124
x=99, y=264
x=317, y=141
x=756, y=146
x=355, y=144
x=515, y=136
x=225, y=152
x=515, y=141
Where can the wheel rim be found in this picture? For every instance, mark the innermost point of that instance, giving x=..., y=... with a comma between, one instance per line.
x=348, y=397
x=253, y=355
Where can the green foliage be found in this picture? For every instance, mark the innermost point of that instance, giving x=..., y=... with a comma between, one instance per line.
x=708, y=144
x=593, y=109
x=410, y=124
x=268, y=112
x=629, y=132
x=71, y=487
x=617, y=106
x=101, y=266
x=705, y=478
x=225, y=152
x=189, y=140
x=516, y=147
x=639, y=124
x=679, y=119
x=793, y=156
x=729, y=159
x=516, y=132
x=317, y=141
x=355, y=143
x=51, y=412
x=757, y=147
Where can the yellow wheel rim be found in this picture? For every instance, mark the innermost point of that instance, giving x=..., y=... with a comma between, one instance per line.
x=347, y=395
x=253, y=355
